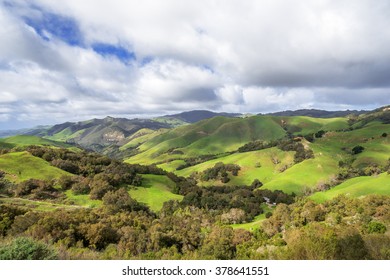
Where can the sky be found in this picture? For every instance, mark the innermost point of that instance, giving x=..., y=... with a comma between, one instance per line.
x=75, y=60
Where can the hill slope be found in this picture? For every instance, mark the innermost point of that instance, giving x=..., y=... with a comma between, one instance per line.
x=27, y=140
x=315, y=113
x=216, y=140
x=21, y=166
x=100, y=135
x=357, y=187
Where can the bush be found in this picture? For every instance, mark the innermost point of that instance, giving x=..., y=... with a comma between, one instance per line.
x=320, y=133
x=256, y=184
x=357, y=150
x=375, y=227
x=23, y=248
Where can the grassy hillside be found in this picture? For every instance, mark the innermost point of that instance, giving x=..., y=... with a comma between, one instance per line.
x=22, y=166
x=82, y=200
x=36, y=205
x=220, y=135
x=27, y=140
x=306, y=125
x=211, y=136
x=357, y=187
x=155, y=190
x=254, y=165
x=141, y=137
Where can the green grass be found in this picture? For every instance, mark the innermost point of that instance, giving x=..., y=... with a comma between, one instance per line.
x=172, y=165
x=257, y=221
x=305, y=125
x=249, y=163
x=36, y=205
x=82, y=200
x=306, y=174
x=357, y=187
x=155, y=190
x=27, y=140
x=22, y=166
x=65, y=135
x=212, y=136
x=174, y=122
x=224, y=134
x=141, y=137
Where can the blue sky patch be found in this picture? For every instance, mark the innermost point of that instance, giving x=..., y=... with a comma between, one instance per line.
x=63, y=28
x=111, y=50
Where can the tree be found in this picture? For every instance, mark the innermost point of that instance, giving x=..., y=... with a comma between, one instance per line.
x=320, y=133
x=219, y=244
x=99, y=188
x=99, y=235
x=357, y=149
x=121, y=200
x=256, y=184
x=234, y=216
x=81, y=186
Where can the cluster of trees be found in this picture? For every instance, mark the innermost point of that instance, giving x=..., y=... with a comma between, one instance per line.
x=220, y=171
x=37, y=189
x=96, y=175
x=360, y=121
x=257, y=145
x=288, y=144
x=342, y=228
x=347, y=168
x=226, y=198
x=301, y=153
x=195, y=161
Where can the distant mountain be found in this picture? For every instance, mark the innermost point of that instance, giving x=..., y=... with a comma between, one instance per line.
x=315, y=113
x=199, y=115
x=97, y=134
x=13, y=132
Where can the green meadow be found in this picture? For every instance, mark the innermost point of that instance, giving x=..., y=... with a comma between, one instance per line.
x=262, y=165
x=155, y=190
x=21, y=166
x=357, y=187
x=82, y=200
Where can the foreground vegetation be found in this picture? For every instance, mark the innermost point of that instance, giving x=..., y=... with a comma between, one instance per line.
x=342, y=228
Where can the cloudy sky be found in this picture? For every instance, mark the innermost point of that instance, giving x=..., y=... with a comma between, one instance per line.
x=74, y=60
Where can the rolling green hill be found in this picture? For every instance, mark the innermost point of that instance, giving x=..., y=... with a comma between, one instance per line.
x=28, y=140
x=220, y=136
x=254, y=165
x=22, y=166
x=357, y=187
x=88, y=213
x=211, y=136
x=100, y=135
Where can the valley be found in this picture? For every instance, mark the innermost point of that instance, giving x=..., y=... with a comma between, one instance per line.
x=202, y=185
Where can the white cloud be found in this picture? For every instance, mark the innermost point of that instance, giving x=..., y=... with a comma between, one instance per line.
x=271, y=99
x=228, y=55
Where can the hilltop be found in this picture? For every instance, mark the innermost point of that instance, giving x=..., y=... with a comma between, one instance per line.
x=316, y=113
